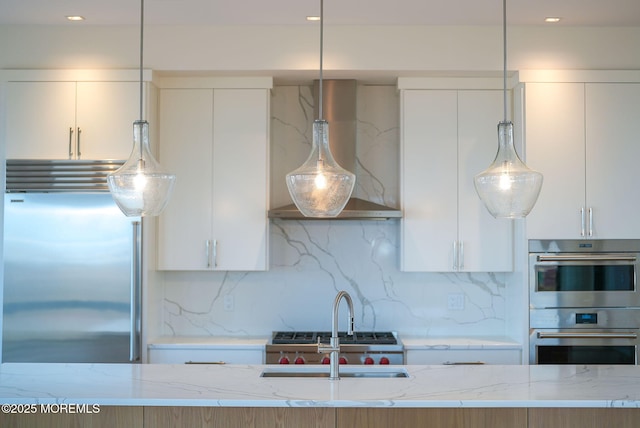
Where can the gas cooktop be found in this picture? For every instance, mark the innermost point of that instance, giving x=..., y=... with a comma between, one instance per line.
x=311, y=337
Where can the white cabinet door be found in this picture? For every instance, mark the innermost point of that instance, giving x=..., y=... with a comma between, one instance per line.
x=186, y=135
x=240, y=184
x=555, y=145
x=105, y=115
x=613, y=150
x=449, y=136
x=429, y=180
x=583, y=138
x=216, y=142
x=40, y=120
x=71, y=120
x=487, y=242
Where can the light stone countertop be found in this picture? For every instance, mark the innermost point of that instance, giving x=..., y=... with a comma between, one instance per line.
x=242, y=385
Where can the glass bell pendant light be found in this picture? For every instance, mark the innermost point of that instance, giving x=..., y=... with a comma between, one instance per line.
x=320, y=187
x=141, y=187
x=508, y=188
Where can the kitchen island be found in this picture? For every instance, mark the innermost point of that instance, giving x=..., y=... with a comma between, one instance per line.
x=157, y=395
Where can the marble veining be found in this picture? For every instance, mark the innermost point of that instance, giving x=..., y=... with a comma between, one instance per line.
x=242, y=385
x=310, y=261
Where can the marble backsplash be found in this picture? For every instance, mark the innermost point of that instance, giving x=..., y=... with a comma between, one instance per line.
x=310, y=261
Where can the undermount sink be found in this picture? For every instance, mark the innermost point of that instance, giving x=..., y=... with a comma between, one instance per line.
x=345, y=372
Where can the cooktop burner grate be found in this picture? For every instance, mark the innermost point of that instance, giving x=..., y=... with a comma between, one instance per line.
x=309, y=337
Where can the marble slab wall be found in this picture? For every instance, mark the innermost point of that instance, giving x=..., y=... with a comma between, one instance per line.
x=312, y=260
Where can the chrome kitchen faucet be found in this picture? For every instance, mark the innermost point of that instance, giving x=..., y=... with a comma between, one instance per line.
x=334, y=343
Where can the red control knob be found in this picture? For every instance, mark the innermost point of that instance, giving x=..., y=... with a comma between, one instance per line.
x=299, y=360
x=283, y=360
x=343, y=360
x=384, y=360
x=326, y=360
x=368, y=360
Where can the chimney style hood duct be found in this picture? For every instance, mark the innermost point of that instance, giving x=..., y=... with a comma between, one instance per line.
x=339, y=109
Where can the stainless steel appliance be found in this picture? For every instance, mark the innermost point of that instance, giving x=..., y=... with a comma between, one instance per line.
x=584, y=273
x=71, y=266
x=287, y=347
x=584, y=336
x=584, y=302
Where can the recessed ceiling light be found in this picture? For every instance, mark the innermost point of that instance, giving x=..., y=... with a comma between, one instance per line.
x=552, y=19
x=75, y=18
x=313, y=18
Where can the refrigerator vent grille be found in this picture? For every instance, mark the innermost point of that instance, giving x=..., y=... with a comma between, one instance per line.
x=59, y=175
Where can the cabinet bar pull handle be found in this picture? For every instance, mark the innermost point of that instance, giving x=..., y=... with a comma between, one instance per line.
x=208, y=252
x=455, y=255
x=78, y=143
x=70, y=143
x=590, y=221
x=215, y=253
x=582, y=221
x=461, y=258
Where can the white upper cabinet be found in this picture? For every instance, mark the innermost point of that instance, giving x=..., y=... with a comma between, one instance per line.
x=448, y=136
x=613, y=150
x=584, y=140
x=70, y=120
x=216, y=142
x=186, y=149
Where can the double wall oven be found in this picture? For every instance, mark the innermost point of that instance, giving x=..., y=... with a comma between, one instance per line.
x=584, y=301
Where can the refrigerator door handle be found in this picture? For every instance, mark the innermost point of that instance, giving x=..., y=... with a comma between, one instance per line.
x=136, y=285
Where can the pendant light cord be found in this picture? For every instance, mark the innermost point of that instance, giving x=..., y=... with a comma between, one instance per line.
x=140, y=158
x=504, y=56
x=321, y=57
x=141, y=50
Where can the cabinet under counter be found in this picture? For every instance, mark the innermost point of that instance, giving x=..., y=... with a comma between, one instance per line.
x=206, y=350
x=461, y=350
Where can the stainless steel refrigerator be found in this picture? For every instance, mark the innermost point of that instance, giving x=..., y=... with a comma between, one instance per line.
x=71, y=266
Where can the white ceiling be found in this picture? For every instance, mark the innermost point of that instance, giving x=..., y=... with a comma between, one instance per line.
x=347, y=12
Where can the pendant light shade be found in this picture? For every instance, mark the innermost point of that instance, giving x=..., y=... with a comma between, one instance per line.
x=508, y=188
x=141, y=187
x=320, y=187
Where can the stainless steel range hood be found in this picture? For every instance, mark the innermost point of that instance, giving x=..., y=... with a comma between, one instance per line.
x=339, y=109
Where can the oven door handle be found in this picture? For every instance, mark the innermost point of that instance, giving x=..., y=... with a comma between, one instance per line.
x=577, y=335
x=586, y=257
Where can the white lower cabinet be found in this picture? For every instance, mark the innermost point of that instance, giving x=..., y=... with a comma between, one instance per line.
x=216, y=142
x=463, y=356
x=203, y=355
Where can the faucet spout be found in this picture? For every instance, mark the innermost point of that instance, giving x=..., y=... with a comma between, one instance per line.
x=334, y=344
x=336, y=304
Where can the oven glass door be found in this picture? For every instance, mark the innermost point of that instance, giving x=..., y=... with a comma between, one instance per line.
x=579, y=347
x=579, y=354
x=569, y=280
